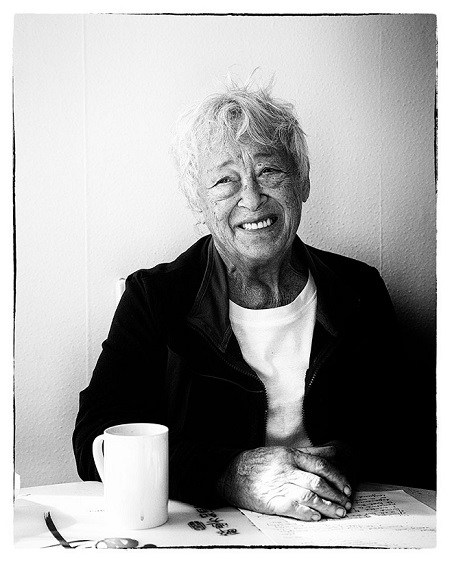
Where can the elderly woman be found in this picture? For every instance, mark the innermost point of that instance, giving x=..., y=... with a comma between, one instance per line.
x=268, y=360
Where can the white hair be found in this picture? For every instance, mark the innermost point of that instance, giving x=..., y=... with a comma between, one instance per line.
x=237, y=117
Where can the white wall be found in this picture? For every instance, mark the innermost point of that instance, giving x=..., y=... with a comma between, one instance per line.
x=95, y=99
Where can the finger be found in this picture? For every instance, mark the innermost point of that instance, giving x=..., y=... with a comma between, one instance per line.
x=325, y=507
x=304, y=505
x=292, y=507
x=323, y=468
x=320, y=487
x=327, y=452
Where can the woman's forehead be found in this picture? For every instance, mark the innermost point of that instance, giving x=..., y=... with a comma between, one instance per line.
x=228, y=154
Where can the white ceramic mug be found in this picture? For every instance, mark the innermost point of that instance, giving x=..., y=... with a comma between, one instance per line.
x=134, y=467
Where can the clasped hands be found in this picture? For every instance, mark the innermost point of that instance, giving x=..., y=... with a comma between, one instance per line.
x=303, y=483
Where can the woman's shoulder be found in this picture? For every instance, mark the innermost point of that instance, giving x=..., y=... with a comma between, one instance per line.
x=173, y=283
x=341, y=263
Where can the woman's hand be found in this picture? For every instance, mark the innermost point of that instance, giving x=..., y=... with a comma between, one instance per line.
x=341, y=457
x=287, y=481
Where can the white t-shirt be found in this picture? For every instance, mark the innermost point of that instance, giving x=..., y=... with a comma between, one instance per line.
x=276, y=343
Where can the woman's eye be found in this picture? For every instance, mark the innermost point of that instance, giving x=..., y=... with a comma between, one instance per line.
x=269, y=173
x=226, y=179
x=225, y=187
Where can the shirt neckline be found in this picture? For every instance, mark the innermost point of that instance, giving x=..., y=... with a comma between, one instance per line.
x=292, y=309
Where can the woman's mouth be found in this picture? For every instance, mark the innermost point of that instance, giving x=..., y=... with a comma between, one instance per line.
x=258, y=225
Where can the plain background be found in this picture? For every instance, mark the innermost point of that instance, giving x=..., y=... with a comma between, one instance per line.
x=95, y=101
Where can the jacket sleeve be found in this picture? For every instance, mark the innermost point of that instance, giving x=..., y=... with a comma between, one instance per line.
x=381, y=409
x=129, y=385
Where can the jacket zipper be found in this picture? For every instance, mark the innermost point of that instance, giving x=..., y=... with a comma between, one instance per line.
x=320, y=360
x=239, y=370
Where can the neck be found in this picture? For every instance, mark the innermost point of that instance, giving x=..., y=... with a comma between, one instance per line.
x=266, y=285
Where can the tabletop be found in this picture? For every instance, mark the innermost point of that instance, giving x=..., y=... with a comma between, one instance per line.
x=383, y=516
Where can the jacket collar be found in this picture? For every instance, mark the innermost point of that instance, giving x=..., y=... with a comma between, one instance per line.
x=210, y=311
x=336, y=302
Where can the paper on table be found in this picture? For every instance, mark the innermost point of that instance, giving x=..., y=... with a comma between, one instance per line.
x=378, y=519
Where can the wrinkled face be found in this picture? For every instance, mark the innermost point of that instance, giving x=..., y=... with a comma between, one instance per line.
x=251, y=201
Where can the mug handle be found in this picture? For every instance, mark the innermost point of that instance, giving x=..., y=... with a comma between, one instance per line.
x=97, y=452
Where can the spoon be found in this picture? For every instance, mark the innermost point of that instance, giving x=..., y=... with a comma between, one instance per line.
x=117, y=542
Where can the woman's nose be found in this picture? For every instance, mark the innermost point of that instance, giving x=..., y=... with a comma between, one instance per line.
x=251, y=195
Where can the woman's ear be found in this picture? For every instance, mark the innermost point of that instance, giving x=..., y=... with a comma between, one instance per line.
x=195, y=204
x=305, y=190
x=200, y=223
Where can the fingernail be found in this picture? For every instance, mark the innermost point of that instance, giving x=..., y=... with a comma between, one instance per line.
x=340, y=512
x=348, y=506
x=347, y=491
x=316, y=517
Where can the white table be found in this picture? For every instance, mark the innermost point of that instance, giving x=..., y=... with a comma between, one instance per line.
x=77, y=511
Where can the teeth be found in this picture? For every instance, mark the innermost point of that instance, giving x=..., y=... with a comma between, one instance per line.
x=257, y=225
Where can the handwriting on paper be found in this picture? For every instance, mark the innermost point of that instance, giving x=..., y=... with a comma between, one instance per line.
x=375, y=504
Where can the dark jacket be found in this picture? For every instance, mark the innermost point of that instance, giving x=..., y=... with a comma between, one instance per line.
x=171, y=357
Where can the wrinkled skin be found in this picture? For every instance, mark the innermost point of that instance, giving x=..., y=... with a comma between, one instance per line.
x=251, y=185
x=301, y=483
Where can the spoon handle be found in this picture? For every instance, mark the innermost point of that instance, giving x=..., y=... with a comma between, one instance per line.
x=54, y=531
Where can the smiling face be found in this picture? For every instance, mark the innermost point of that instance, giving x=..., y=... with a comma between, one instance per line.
x=251, y=200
